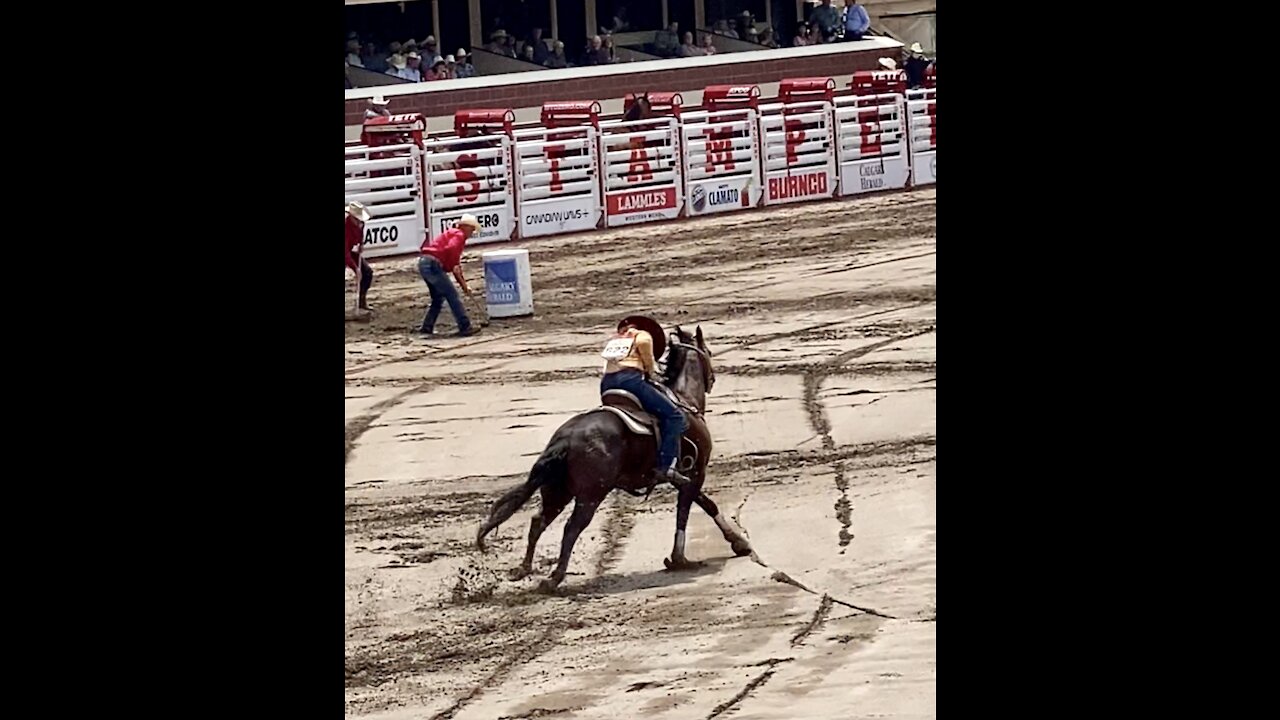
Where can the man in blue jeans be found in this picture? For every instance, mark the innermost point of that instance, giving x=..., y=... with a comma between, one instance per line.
x=439, y=257
x=630, y=362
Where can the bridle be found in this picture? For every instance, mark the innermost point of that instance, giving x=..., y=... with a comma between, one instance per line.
x=708, y=375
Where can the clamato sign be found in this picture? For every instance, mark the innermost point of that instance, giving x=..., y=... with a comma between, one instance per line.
x=641, y=201
x=812, y=184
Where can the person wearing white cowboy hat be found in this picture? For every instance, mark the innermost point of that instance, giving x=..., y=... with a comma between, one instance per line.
x=464, y=69
x=356, y=216
x=397, y=66
x=377, y=108
x=888, y=63
x=915, y=66
x=440, y=257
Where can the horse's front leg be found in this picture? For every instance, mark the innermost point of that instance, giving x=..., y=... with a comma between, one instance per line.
x=733, y=534
x=688, y=493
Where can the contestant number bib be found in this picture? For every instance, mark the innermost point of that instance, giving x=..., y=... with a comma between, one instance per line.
x=618, y=348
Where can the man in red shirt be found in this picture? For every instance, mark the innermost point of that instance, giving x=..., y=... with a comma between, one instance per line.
x=357, y=216
x=441, y=256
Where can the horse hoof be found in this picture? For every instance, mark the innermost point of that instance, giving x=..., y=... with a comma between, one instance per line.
x=680, y=564
x=548, y=586
x=517, y=573
x=741, y=549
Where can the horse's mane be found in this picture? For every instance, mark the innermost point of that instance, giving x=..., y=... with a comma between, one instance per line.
x=675, y=362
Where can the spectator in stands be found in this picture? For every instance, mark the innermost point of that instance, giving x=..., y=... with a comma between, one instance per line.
x=915, y=66
x=509, y=49
x=746, y=22
x=708, y=46
x=540, y=50
x=527, y=55
x=377, y=108
x=464, y=69
x=619, y=21
x=439, y=71
x=613, y=51
x=414, y=69
x=372, y=59
x=557, y=58
x=430, y=54
x=721, y=27
x=451, y=66
x=802, y=36
x=825, y=19
x=856, y=21
x=688, y=49
x=766, y=38
x=597, y=54
x=752, y=35
x=497, y=42
x=667, y=42
x=396, y=66
x=394, y=48
x=353, y=54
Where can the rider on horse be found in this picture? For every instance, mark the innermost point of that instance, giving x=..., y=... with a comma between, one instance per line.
x=630, y=356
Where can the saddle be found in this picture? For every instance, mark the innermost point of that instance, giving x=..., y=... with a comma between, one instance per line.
x=628, y=409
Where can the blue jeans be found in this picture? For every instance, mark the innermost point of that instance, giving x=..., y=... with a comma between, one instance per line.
x=670, y=418
x=442, y=290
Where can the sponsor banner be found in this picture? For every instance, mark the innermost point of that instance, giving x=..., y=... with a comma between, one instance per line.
x=496, y=224
x=502, y=282
x=867, y=176
x=392, y=237
x=720, y=195
x=638, y=206
x=798, y=187
x=925, y=165
x=552, y=217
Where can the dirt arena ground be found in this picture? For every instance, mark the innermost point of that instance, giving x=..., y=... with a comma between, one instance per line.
x=821, y=318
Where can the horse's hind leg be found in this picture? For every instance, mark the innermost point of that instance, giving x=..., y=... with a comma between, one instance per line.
x=554, y=497
x=583, y=511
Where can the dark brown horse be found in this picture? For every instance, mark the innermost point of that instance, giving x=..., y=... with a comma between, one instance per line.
x=596, y=452
x=641, y=108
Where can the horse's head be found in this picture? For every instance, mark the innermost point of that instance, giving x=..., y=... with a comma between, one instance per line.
x=689, y=370
x=641, y=108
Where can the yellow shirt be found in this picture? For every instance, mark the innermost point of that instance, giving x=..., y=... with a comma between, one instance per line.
x=640, y=356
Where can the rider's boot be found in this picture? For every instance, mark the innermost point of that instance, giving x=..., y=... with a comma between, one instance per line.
x=669, y=475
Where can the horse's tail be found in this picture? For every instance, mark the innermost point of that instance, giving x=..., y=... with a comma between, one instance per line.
x=549, y=467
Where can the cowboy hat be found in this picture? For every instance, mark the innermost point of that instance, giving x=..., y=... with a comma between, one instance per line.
x=449, y=59
x=650, y=326
x=357, y=210
x=470, y=221
x=498, y=34
x=397, y=62
x=462, y=52
x=414, y=56
x=379, y=100
x=431, y=40
x=439, y=61
x=915, y=48
x=888, y=64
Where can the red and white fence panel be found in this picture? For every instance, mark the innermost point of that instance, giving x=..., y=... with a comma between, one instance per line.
x=384, y=172
x=558, y=174
x=643, y=178
x=722, y=151
x=922, y=121
x=872, y=151
x=471, y=172
x=799, y=153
